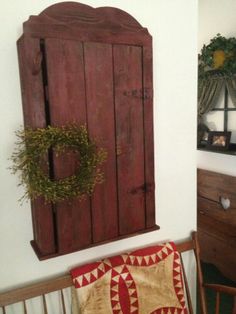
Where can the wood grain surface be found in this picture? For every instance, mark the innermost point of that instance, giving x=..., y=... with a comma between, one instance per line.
x=92, y=66
x=216, y=225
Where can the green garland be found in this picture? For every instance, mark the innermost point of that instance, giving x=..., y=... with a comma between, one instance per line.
x=33, y=147
x=219, y=57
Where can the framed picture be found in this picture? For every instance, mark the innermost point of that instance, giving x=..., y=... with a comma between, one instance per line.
x=218, y=140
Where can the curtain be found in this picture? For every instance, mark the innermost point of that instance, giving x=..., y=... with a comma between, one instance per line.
x=231, y=86
x=208, y=93
x=209, y=89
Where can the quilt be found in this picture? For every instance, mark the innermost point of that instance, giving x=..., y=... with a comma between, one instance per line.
x=145, y=281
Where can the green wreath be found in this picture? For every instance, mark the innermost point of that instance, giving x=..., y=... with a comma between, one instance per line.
x=33, y=147
x=218, y=56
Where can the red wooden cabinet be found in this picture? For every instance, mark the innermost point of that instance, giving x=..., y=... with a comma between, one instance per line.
x=92, y=66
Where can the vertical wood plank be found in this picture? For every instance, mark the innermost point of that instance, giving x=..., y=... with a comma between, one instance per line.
x=148, y=138
x=234, y=306
x=130, y=137
x=66, y=89
x=43, y=225
x=217, y=306
x=101, y=124
x=34, y=116
x=29, y=55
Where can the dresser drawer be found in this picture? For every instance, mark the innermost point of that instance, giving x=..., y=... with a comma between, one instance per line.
x=216, y=222
x=218, y=251
x=222, y=230
x=214, y=186
x=213, y=209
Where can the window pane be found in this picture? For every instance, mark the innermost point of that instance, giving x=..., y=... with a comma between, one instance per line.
x=220, y=100
x=230, y=103
x=215, y=120
x=232, y=125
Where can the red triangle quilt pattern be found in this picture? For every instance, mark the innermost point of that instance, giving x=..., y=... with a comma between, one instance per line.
x=145, y=281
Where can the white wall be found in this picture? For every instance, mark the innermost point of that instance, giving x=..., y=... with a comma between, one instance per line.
x=216, y=17
x=173, y=25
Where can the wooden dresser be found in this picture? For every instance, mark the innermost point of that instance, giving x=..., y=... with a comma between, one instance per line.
x=216, y=225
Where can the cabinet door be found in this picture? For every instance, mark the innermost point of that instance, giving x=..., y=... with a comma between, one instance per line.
x=99, y=76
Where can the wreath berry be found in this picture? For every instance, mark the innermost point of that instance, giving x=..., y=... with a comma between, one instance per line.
x=219, y=55
x=33, y=149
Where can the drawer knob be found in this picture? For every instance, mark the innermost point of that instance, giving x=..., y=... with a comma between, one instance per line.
x=225, y=202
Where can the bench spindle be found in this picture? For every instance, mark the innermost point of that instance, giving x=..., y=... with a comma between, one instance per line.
x=63, y=302
x=45, y=305
x=25, y=308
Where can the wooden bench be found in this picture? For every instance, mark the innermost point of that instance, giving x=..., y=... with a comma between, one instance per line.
x=43, y=288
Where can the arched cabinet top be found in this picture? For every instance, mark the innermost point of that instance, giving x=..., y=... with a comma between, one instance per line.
x=73, y=20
